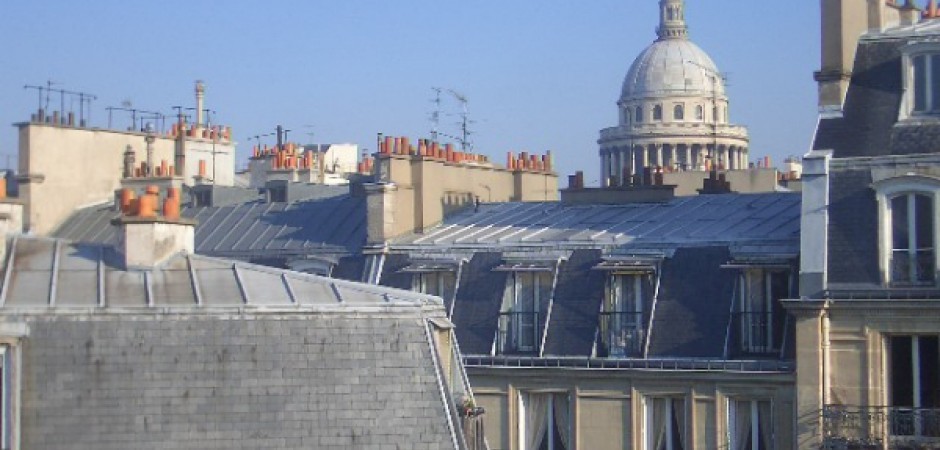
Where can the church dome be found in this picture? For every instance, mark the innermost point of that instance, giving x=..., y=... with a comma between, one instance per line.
x=672, y=68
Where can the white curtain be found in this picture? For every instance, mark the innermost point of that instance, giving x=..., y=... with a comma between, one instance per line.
x=765, y=419
x=536, y=419
x=741, y=414
x=678, y=412
x=657, y=414
x=562, y=418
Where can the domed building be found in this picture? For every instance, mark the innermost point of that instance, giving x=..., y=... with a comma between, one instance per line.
x=673, y=110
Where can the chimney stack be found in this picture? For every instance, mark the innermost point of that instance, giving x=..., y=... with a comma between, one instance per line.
x=200, y=102
x=150, y=234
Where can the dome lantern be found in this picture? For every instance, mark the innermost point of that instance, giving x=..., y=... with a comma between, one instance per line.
x=672, y=20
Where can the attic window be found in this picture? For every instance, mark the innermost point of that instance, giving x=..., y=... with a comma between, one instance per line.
x=920, y=65
x=926, y=68
x=907, y=227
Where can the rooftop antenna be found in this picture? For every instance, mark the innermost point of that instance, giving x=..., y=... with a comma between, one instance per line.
x=436, y=114
x=310, y=135
x=464, y=121
x=49, y=84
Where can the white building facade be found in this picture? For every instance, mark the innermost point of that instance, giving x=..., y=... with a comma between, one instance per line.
x=673, y=111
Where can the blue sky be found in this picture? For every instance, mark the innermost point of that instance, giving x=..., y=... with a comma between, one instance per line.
x=539, y=74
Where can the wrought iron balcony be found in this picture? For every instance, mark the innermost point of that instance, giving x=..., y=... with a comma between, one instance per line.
x=880, y=427
x=752, y=334
x=518, y=333
x=621, y=335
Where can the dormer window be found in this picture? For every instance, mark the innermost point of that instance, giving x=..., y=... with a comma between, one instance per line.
x=622, y=330
x=524, y=303
x=912, y=245
x=920, y=63
x=628, y=298
x=759, y=319
x=926, y=83
x=907, y=207
x=435, y=277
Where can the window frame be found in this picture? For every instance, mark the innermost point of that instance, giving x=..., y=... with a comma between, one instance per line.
x=638, y=115
x=657, y=113
x=769, y=309
x=523, y=397
x=648, y=434
x=511, y=303
x=641, y=283
x=909, y=53
x=754, y=413
x=678, y=112
x=11, y=337
x=885, y=191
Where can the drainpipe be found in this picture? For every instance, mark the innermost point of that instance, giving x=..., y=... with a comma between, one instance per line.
x=826, y=356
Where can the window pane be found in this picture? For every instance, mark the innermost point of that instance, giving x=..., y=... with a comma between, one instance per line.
x=923, y=213
x=923, y=230
x=901, y=371
x=899, y=231
x=920, y=83
x=934, y=82
x=929, y=372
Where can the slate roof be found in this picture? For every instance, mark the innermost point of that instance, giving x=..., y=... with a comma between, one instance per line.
x=694, y=304
x=693, y=237
x=201, y=352
x=853, y=229
x=331, y=223
x=760, y=220
x=869, y=123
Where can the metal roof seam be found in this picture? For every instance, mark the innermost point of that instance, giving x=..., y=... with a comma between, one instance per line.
x=54, y=273
x=9, y=270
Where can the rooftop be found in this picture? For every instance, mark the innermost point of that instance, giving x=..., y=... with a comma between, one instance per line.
x=56, y=274
x=767, y=222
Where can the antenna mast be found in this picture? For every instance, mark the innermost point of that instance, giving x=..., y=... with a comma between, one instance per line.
x=436, y=114
x=464, y=121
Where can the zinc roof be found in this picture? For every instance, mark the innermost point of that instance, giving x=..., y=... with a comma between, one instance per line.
x=769, y=220
x=52, y=273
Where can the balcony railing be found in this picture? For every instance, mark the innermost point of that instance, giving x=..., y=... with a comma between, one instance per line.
x=916, y=269
x=752, y=334
x=518, y=333
x=621, y=335
x=880, y=427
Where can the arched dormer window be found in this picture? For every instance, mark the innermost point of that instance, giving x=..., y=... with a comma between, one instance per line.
x=638, y=114
x=699, y=113
x=658, y=112
x=678, y=112
x=907, y=229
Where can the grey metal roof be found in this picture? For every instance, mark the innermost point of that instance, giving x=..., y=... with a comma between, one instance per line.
x=768, y=220
x=51, y=273
x=331, y=224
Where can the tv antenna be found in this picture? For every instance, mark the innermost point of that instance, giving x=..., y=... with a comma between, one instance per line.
x=436, y=114
x=464, y=121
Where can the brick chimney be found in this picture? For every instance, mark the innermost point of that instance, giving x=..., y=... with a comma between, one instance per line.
x=153, y=231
